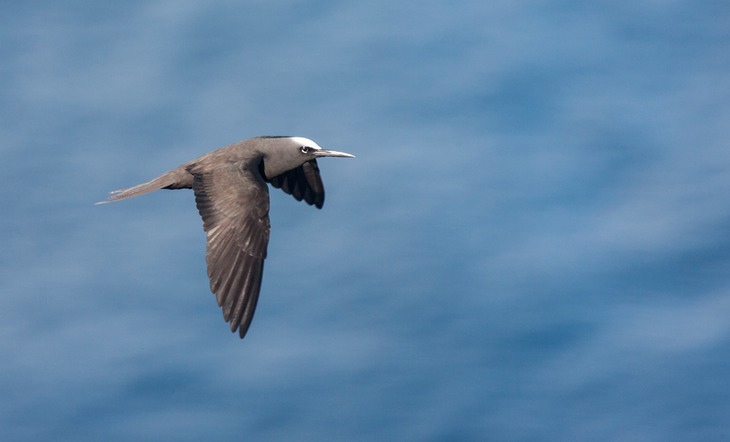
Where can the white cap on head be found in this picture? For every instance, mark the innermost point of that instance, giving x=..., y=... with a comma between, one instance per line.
x=305, y=142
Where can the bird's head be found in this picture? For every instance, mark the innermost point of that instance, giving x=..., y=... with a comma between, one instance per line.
x=282, y=154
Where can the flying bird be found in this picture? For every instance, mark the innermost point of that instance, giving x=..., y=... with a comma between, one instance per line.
x=232, y=196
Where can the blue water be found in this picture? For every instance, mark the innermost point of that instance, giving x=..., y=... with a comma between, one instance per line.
x=531, y=244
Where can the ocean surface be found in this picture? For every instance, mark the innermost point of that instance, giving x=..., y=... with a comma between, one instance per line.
x=533, y=243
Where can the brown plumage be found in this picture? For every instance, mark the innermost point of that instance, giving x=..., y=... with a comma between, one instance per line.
x=233, y=199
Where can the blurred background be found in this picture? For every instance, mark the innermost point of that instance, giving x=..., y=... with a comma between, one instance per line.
x=532, y=244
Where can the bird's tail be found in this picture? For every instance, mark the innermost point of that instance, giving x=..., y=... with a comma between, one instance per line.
x=178, y=178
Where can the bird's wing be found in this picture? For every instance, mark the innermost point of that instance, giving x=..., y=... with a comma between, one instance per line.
x=234, y=205
x=303, y=183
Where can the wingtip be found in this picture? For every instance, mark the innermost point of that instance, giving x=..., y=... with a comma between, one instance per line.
x=241, y=331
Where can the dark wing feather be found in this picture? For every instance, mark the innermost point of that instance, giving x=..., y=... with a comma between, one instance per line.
x=303, y=183
x=234, y=205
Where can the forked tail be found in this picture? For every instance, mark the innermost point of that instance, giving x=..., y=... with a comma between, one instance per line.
x=178, y=178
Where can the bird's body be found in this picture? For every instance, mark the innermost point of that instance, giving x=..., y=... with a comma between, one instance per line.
x=232, y=196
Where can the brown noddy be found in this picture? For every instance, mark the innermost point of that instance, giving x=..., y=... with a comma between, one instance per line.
x=233, y=199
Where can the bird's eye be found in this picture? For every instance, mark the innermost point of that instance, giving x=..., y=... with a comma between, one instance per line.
x=305, y=149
